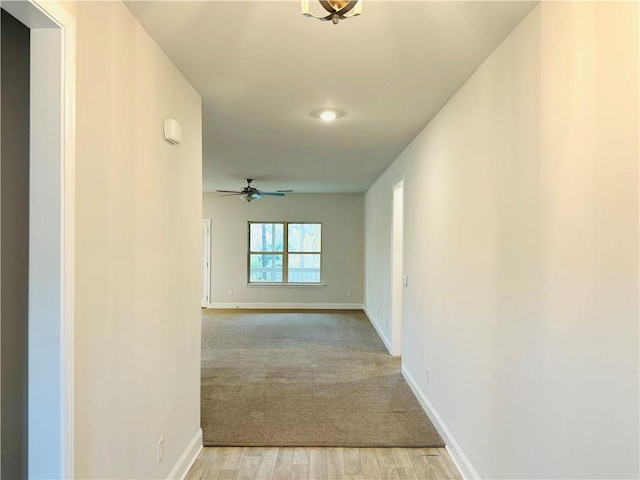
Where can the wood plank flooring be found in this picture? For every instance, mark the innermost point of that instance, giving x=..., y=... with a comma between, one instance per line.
x=251, y=463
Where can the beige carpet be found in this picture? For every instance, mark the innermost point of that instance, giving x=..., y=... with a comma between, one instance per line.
x=305, y=379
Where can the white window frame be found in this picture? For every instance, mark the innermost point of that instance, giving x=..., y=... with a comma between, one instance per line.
x=285, y=254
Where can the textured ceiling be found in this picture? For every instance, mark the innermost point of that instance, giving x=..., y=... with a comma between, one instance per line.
x=261, y=68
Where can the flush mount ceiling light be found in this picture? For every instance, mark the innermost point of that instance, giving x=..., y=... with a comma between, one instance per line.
x=337, y=9
x=327, y=114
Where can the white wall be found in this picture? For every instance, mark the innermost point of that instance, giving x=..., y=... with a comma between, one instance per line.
x=521, y=247
x=342, y=221
x=138, y=210
x=378, y=214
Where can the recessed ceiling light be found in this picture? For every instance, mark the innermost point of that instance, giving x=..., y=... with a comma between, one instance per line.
x=327, y=114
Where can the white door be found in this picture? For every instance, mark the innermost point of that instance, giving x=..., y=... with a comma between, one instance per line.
x=206, y=261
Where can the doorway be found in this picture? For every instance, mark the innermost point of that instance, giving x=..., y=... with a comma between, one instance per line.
x=397, y=269
x=15, y=245
x=50, y=215
x=206, y=262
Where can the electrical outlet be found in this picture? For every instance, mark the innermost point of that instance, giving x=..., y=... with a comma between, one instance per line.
x=230, y=292
x=160, y=450
x=427, y=375
x=348, y=293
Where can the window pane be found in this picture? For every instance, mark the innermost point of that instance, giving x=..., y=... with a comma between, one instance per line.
x=266, y=237
x=304, y=268
x=265, y=268
x=304, y=237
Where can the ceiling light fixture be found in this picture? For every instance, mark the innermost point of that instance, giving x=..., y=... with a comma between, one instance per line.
x=337, y=9
x=327, y=114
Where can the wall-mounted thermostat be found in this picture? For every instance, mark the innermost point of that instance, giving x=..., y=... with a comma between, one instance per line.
x=172, y=131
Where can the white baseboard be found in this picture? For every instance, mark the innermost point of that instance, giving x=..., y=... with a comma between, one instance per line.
x=380, y=333
x=287, y=306
x=457, y=455
x=181, y=468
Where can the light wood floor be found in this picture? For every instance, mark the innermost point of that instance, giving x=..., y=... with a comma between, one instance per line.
x=323, y=464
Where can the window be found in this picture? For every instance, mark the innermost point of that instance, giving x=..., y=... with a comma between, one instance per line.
x=285, y=253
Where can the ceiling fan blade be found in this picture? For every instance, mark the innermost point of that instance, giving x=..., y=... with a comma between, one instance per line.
x=231, y=194
x=284, y=191
x=272, y=194
x=227, y=191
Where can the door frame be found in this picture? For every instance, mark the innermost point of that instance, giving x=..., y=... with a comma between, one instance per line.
x=397, y=267
x=52, y=234
x=206, y=267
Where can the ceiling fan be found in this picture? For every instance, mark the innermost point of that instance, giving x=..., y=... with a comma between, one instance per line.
x=250, y=193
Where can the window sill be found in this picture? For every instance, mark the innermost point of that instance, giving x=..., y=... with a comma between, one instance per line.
x=285, y=285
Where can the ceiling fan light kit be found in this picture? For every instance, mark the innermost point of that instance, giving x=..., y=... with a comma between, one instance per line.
x=336, y=10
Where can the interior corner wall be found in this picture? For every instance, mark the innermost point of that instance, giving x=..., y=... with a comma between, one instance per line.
x=378, y=221
x=138, y=209
x=521, y=248
x=342, y=218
